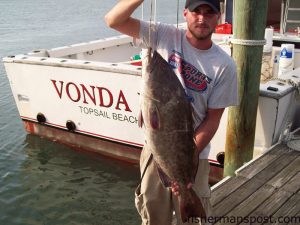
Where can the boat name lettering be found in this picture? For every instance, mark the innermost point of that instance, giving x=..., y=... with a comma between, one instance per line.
x=105, y=114
x=124, y=118
x=91, y=95
x=95, y=112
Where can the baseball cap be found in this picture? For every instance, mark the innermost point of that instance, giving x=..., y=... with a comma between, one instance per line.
x=193, y=4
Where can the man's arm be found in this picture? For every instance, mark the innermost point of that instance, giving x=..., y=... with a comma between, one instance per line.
x=203, y=135
x=119, y=18
x=205, y=132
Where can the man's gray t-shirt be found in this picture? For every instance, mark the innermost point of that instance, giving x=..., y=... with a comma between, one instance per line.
x=208, y=76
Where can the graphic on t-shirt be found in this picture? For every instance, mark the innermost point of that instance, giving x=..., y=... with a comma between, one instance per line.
x=193, y=78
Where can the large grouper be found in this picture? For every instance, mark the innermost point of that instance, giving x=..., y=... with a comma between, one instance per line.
x=166, y=114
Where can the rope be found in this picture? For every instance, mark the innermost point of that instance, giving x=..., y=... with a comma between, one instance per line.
x=177, y=16
x=143, y=11
x=150, y=28
x=290, y=82
x=291, y=140
x=247, y=42
x=294, y=143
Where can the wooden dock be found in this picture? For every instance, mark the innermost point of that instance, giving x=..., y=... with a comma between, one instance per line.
x=265, y=191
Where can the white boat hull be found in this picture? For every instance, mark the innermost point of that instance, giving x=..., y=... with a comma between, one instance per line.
x=101, y=99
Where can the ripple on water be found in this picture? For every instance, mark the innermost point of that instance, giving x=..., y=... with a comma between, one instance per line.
x=56, y=185
x=42, y=182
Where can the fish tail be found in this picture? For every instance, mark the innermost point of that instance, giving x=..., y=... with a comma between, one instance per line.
x=190, y=206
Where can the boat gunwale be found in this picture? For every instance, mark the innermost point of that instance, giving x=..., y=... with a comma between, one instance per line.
x=76, y=64
x=56, y=56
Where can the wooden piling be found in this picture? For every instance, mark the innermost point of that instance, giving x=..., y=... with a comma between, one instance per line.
x=249, y=23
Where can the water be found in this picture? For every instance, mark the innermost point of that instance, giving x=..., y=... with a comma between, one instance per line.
x=43, y=182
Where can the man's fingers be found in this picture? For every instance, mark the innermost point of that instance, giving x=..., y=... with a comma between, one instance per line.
x=176, y=193
x=189, y=186
x=175, y=187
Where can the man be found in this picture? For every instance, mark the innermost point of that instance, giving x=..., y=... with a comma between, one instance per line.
x=208, y=75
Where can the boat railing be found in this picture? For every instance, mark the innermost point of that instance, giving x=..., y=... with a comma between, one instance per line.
x=103, y=50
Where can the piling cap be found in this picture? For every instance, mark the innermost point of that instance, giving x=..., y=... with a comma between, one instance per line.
x=193, y=4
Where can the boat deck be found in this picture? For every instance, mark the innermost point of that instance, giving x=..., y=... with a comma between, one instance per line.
x=266, y=191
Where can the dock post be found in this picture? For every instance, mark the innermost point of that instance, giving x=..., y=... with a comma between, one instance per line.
x=249, y=23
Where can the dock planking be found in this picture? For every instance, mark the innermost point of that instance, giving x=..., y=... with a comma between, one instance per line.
x=263, y=192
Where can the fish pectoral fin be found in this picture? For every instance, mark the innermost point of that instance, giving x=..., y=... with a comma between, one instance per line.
x=140, y=119
x=154, y=118
x=191, y=206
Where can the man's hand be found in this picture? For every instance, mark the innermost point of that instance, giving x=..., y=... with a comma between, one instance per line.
x=175, y=187
x=119, y=18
